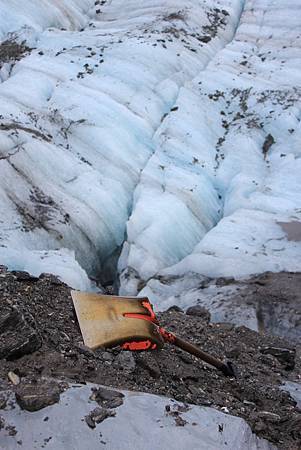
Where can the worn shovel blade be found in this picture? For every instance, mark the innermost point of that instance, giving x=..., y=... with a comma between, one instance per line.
x=103, y=324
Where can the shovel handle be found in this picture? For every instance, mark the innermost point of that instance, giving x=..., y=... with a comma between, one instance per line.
x=226, y=368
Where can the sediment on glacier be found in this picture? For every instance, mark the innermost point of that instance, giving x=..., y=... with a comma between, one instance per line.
x=47, y=343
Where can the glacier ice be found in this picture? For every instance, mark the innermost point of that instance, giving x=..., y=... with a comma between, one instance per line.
x=140, y=415
x=162, y=135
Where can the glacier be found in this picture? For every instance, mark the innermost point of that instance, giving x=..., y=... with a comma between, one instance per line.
x=153, y=143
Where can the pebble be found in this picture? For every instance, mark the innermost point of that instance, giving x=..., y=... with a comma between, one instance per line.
x=271, y=417
x=107, y=397
x=13, y=378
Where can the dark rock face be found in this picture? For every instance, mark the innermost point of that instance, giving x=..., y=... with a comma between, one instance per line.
x=37, y=395
x=17, y=337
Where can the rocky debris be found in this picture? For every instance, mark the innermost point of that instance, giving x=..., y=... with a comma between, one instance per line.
x=285, y=355
x=175, y=412
x=17, y=336
x=107, y=398
x=98, y=415
x=33, y=396
x=47, y=307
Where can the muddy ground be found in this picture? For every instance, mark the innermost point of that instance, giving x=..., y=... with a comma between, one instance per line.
x=39, y=336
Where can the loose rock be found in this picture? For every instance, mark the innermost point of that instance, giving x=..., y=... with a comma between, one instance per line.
x=199, y=311
x=38, y=395
x=98, y=415
x=107, y=398
x=13, y=378
x=285, y=355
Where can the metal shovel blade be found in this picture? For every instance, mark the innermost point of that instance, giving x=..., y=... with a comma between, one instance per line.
x=103, y=323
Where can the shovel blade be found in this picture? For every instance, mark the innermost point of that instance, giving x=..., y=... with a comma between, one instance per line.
x=103, y=323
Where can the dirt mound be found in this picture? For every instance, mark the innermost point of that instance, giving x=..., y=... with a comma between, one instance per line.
x=44, y=310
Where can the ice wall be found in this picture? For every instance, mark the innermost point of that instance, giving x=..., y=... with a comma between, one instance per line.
x=163, y=130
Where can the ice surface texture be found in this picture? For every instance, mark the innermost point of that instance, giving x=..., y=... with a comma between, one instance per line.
x=142, y=420
x=167, y=130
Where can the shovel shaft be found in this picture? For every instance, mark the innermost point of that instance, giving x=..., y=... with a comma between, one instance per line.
x=193, y=350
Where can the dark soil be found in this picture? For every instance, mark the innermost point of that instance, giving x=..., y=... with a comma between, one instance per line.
x=46, y=307
x=11, y=50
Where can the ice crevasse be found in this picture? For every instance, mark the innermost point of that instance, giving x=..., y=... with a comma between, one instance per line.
x=160, y=134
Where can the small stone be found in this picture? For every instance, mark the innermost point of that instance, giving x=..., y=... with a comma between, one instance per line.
x=107, y=397
x=13, y=378
x=199, y=311
x=98, y=415
x=246, y=402
x=205, y=39
x=90, y=422
x=270, y=417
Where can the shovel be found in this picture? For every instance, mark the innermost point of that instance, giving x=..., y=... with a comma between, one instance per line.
x=108, y=320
